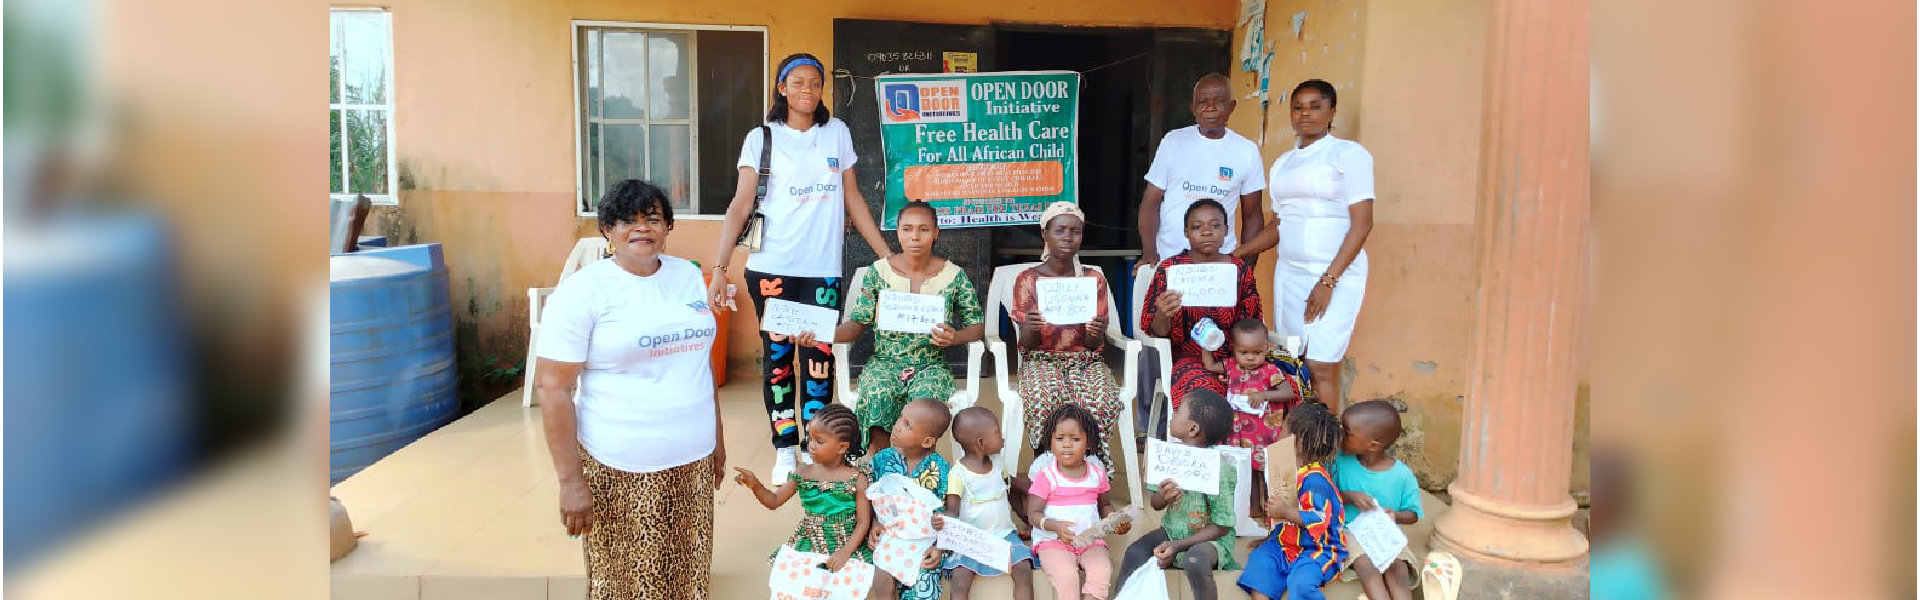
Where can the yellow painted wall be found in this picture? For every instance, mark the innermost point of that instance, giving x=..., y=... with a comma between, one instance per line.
x=484, y=121
x=1410, y=79
x=484, y=130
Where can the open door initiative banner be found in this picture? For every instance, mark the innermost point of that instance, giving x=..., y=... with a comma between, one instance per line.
x=983, y=148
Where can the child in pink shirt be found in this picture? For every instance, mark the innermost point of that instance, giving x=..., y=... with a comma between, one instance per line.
x=1068, y=497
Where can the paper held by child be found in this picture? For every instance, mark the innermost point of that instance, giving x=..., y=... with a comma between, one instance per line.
x=1378, y=536
x=804, y=576
x=975, y=543
x=1106, y=526
x=1194, y=469
x=1240, y=403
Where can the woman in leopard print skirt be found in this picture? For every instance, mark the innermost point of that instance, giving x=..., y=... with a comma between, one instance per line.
x=637, y=449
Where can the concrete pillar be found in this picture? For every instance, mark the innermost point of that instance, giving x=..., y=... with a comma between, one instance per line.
x=1510, y=522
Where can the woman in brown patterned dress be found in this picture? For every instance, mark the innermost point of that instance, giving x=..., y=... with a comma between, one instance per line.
x=1061, y=364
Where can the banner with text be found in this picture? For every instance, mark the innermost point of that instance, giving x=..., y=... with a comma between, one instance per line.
x=983, y=148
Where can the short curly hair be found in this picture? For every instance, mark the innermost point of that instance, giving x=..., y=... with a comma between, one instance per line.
x=629, y=200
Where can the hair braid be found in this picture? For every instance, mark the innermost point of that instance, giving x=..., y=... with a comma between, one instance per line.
x=1317, y=431
x=845, y=426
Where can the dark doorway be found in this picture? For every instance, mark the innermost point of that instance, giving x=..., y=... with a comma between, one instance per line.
x=1114, y=106
x=1136, y=86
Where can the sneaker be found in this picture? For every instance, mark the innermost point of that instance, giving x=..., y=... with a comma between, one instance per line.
x=783, y=465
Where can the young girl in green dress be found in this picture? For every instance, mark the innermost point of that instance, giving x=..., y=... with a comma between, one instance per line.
x=832, y=490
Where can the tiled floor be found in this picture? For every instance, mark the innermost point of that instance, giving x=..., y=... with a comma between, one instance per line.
x=471, y=512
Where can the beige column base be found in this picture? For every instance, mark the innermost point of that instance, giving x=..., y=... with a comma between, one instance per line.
x=1483, y=530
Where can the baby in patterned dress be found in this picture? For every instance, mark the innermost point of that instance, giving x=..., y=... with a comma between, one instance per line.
x=1260, y=394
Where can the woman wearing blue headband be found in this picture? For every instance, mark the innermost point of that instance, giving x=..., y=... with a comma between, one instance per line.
x=810, y=196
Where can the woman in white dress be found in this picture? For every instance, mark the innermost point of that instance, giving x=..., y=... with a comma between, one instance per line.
x=1322, y=194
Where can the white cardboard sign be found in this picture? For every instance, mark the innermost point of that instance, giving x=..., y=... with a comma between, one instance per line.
x=975, y=543
x=794, y=318
x=1195, y=469
x=910, y=313
x=1067, y=300
x=1376, y=534
x=1206, y=285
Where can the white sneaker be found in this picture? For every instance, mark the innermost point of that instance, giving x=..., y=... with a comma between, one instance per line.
x=783, y=465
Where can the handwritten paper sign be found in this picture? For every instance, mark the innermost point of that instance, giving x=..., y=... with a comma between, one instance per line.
x=1067, y=300
x=794, y=318
x=910, y=313
x=975, y=543
x=1195, y=469
x=1376, y=533
x=1215, y=284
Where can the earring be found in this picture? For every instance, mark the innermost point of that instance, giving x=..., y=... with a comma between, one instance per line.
x=609, y=247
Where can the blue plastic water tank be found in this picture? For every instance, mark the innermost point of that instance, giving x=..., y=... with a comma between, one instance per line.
x=392, y=352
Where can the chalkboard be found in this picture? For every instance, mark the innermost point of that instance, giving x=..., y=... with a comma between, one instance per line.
x=861, y=50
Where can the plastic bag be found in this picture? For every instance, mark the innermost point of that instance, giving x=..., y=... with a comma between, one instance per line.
x=903, y=514
x=1144, y=583
x=800, y=575
x=1243, y=523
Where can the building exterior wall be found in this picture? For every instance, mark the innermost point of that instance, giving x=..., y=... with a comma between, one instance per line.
x=484, y=132
x=485, y=144
x=1410, y=79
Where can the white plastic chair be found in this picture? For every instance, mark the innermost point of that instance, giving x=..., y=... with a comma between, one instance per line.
x=1012, y=423
x=843, y=371
x=585, y=252
x=1143, y=279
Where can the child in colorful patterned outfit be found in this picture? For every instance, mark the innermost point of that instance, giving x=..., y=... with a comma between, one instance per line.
x=1305, y=551
x=977, y=494
x=921, y=424
x=1368, y=478
x=1068, y=496
x=1260, y=394
x=832, y=490
x=1196, y=529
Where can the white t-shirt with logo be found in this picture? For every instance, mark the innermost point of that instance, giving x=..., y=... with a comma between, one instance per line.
x=806, y=209
x=1190, y=166
x=646, y=394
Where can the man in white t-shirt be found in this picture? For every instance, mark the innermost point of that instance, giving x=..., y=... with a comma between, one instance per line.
x=1206, y=160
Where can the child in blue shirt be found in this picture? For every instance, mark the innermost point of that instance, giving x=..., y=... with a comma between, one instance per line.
x=1370, y=479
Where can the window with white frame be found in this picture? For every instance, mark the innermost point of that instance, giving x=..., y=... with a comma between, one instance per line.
x=668, y=104
x=361, y=104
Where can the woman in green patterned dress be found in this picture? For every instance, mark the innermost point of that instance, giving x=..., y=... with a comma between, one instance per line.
x=908, y=366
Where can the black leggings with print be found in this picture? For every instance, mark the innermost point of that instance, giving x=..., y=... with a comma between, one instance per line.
x=781, y=363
